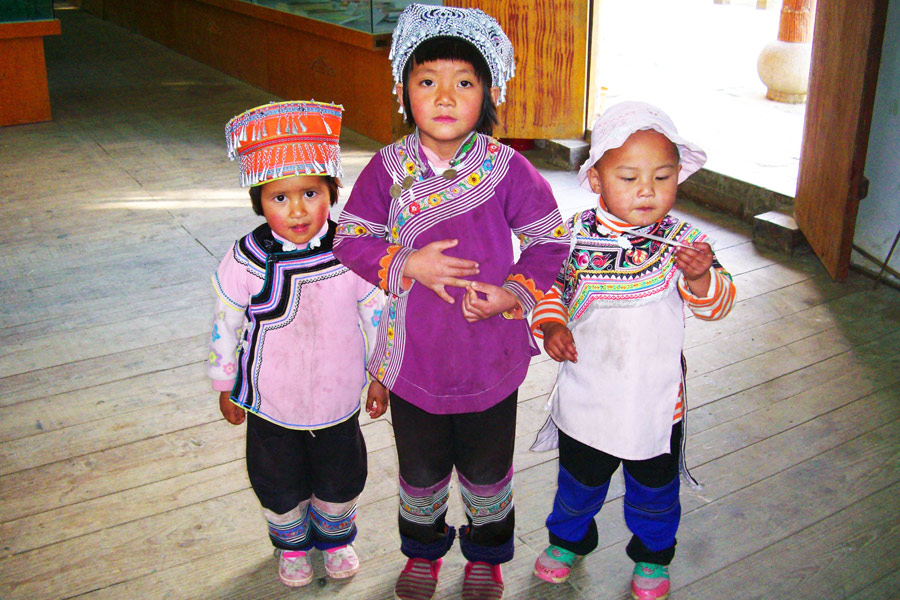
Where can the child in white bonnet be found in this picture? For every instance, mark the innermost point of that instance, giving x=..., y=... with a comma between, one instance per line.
x=615, y=320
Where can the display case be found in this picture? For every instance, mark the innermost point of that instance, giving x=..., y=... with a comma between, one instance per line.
x=370, y=16
x=25, y=10
x=24, y=95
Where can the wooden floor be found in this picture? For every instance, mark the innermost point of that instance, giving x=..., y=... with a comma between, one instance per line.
x=119, y=479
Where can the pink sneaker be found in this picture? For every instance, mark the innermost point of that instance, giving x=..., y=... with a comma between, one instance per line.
x=341, y=562
x=650, y=582
x=418, y=579
x=554, y=564
x=482, y=582
x=294, y=568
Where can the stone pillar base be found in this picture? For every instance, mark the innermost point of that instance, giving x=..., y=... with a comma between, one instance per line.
x=784, y=68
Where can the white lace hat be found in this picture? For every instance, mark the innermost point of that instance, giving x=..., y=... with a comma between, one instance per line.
x=619, y=121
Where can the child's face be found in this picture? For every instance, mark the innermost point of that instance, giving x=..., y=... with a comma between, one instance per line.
x=639, y=179
x=296, y=208
x=446, y=97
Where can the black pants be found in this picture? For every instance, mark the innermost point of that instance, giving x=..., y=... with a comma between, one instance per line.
x=480, y=445
x=593, y=467
x=287, y=466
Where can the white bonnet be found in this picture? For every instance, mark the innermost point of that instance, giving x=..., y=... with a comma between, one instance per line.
x=619, y=121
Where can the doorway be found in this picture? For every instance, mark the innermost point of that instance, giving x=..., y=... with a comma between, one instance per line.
x=696, y=59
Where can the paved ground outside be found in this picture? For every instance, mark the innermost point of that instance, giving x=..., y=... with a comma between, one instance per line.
x=697, y=61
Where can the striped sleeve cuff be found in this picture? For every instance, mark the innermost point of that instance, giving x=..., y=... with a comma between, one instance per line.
x=390, y=273
x=718, y=301
x=549, y=309
x=525, y=291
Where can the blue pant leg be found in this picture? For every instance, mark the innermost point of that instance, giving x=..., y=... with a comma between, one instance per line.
x=652, y=515
x=571, y=524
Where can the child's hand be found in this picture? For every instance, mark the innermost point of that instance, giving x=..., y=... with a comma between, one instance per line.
x=430, y=267
x=559, y=342
x=376, y=399
x=233, y=413
x=695, y=264
x=497, y=300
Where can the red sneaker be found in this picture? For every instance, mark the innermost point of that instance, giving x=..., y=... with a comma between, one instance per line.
x=482, y=582
x=418, y=579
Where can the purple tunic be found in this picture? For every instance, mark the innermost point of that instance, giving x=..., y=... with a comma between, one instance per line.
x=426, y=352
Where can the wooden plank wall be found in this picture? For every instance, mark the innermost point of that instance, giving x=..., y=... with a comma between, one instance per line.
x=546, y=98
x=119, y=479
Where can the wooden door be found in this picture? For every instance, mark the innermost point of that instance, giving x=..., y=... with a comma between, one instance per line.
x=546, y=98
x=844, y=71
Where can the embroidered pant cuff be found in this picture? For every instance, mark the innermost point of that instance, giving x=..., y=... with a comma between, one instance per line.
x=290, y=530
x=333, y=523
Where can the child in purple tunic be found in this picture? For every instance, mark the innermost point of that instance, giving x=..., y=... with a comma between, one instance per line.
x=288, y=349
x=430, y=221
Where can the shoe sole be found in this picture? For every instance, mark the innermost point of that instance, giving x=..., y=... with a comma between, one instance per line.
x=549, y=578
x=342, y=574
x=296, y=583
x=636, y=597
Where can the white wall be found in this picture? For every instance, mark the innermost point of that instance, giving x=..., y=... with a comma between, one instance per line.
x=878, y=219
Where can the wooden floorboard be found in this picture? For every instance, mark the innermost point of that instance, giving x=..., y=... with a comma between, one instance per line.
x=883, y=589
x=821, y=560
x=119, y=478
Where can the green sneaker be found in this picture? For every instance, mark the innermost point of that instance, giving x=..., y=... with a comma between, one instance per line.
x=554, y=564
x=650, y=582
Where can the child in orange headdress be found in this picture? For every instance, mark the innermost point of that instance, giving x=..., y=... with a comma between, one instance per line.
x=288, y=348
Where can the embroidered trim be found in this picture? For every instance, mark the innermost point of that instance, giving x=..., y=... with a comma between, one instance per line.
x=483, y=510
x=464, y=185
x=294, y=533
x=385, y=264
x=528, y=284
x=599, y=268
x=333, y=527
x=388, y=330
x=424, y=509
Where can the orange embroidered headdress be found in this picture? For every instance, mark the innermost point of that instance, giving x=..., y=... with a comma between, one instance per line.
x=283, y=139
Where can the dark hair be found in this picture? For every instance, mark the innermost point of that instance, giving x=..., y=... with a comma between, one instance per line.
x=452, y=48
x=333, y=184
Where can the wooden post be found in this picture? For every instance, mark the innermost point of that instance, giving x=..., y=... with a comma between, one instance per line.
x=796, y=21
x=784, y=64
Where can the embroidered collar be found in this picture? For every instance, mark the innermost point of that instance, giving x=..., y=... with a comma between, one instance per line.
x=418, y=151
x=600, y=268
x=609, y=224
x=312, y=244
